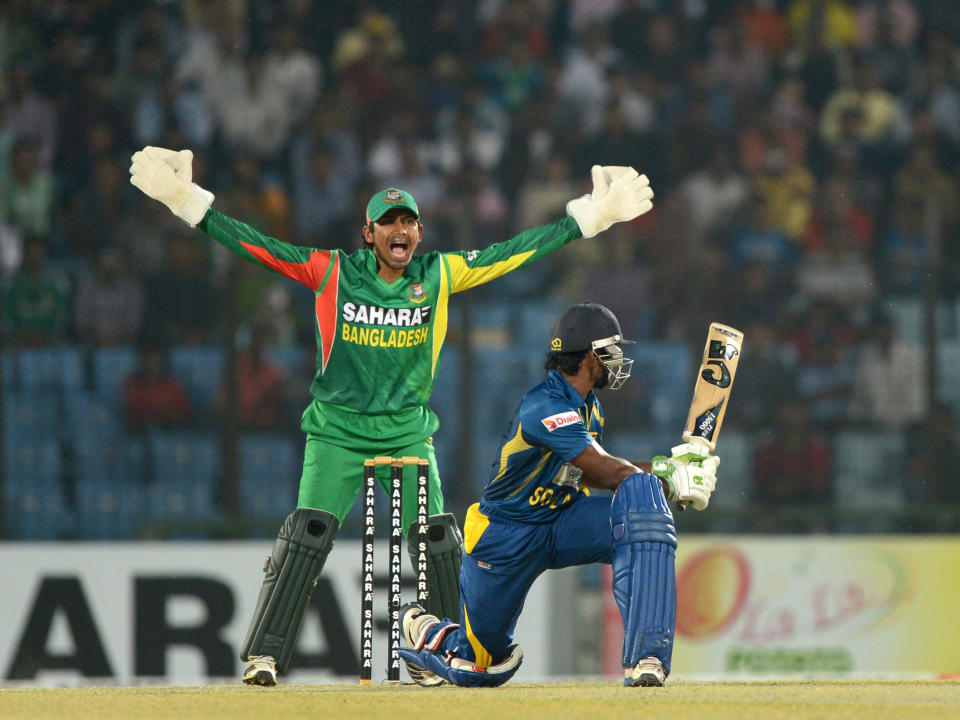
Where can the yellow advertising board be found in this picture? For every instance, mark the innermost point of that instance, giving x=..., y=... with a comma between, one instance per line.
x=813, y=605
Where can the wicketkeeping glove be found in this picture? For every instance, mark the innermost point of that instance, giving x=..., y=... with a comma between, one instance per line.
x=691, y=474
x=619, y=193
x=167, y=176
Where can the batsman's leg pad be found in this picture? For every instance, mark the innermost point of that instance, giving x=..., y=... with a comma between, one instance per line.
x=644, y=581
x=444, y=548
x=291, y=573
x=464, y=673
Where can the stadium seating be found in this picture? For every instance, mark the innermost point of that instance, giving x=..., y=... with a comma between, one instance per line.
x=269, y=475
x=49, y=369
x=34, y=502
x=111, y=366
x=868, y=469
x=200, y=370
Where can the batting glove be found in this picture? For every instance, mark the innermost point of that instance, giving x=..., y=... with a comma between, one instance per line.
x=619, y=193
x=167, y=176
x=690, y=474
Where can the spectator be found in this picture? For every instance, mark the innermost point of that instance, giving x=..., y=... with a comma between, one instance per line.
x=904, y=260
x=834, y=20
x=788, y=190
x=792, y=468
x=260, y=386
x=839, y=272
x=174, y=295
x=30, y=116
x=837, y=213
x=583, y=79
x=931, y=446
x=109, y=306
x=37, y=301
x=26, y=197
x=714, y=195
x=825, y=381
x=546, y=192
x=921, y=181
x=771, y=381
x=322, y=196
x=890, y=380
x=881, y=121
x=152, y=395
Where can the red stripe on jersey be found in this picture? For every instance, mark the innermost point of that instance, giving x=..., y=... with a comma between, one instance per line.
x=326, y=307
x=310, y=273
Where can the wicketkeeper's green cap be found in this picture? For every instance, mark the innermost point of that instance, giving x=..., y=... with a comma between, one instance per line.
x=388, y=199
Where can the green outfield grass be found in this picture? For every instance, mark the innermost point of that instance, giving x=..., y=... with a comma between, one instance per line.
x=794, y=700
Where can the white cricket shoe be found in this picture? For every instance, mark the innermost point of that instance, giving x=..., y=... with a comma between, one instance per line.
x=648, y=672
x=415, y=622
x=261, y=670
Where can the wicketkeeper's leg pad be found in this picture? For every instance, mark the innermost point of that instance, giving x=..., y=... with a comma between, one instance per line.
x=644, y=581
x=444, y=548
x=291, y=573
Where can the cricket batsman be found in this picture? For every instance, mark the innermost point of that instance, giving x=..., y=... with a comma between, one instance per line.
x=380, y=320
x=536, y=514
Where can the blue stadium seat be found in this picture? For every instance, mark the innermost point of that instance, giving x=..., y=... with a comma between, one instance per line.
x=89, y=417
x=200, y=369
x=269, y=475
x=44, y=369
x=948, y=372
x=38, y=512
x=30, y=415
x=177, y=456
x=33, y=499
x=111, y=366
x=665, y=369
x=289, y=359
x=31, y=460
x=868, y=469
x=735, y=472
x=184, y=480
x=172, y=502
x=909, y=316
x=109, y=510
x=8, y=370
x=110, y=462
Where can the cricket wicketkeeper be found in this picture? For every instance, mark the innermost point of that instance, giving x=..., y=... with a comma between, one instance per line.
x=381, y=320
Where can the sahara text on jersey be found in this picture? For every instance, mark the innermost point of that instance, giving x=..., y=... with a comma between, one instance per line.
x=376, y=315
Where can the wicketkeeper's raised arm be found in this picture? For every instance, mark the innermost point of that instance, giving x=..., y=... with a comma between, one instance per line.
x=619, y=194
x=167, y=176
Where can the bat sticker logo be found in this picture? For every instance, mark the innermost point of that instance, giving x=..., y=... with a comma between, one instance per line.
x=707, y=422
x=719, y=351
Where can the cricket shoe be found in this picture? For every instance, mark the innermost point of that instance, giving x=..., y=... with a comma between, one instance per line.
x=415, y=622
x=648, y=672
x=261, y=670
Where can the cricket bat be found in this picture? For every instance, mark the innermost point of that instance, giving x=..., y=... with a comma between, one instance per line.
x=714, y=382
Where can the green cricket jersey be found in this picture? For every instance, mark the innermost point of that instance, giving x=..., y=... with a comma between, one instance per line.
x=379, y=344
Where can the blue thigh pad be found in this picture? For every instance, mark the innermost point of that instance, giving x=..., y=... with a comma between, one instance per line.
x=644, y=583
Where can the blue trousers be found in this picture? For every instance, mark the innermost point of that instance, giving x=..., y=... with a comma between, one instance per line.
x=502, y=559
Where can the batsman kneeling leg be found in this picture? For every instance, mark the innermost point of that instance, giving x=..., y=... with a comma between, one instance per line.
x=291, y=573
x=464, y=673
x=644, y=583
x=444, y=548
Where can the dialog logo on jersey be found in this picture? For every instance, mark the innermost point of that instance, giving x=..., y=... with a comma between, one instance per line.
x=571, y=417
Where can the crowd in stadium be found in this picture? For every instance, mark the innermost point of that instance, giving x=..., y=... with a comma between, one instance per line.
x=804, y=154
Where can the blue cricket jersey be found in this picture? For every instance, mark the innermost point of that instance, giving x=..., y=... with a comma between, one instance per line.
x=534, y=479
